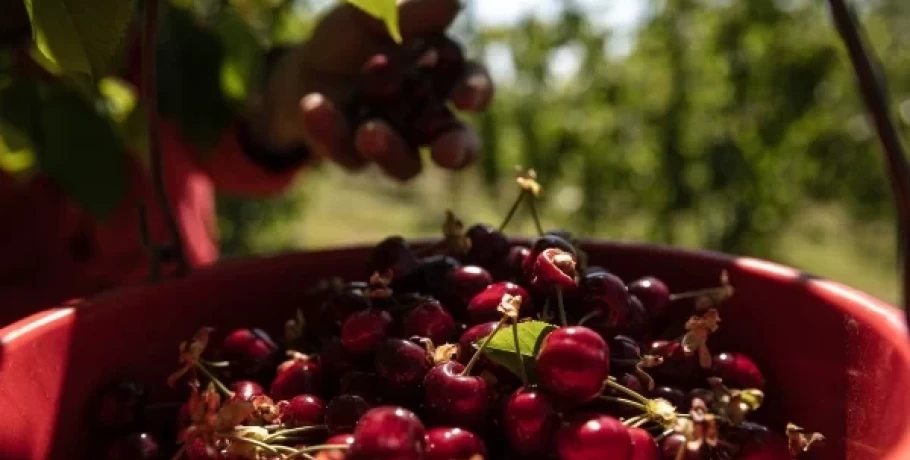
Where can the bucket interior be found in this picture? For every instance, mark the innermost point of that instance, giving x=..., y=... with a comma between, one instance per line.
x=836, y=361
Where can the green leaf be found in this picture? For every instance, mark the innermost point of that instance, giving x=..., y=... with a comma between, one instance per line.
x=501, y=348
x=80, y=150
x=80, y=36
x=384, y=10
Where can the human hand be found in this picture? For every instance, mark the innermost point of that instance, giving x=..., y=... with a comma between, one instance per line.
x=307, y=96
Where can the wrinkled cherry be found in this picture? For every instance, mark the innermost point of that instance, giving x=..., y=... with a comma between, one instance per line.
x=431, y=320
x=573, y=363
x=463, y=283
x=401, y=364
x=303, y=410
x=298, y=375
x=484, y=306
x=530, y=422
x=388, y=432
x=653, y=293
x=455, y=399
x=245, y=390
x=446, y=443
x=342, y=413
x=738, y=370
x=643, y=445
x=594, y=437
x=365, y=330
x=137, y=446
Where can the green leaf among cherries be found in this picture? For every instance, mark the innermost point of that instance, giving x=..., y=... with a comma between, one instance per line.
x=384, y=10
x=501, y=348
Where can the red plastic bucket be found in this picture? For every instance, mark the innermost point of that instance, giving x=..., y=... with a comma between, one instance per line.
x=836, y=361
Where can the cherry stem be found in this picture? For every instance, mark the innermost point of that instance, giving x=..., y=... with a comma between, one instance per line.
x=272, y=449
x=562, y=307
x=476, y=357
x=217, y=363
x=663, y=435
x=535, y=216
x=634, y=420
x=629, y=392
x=512, y=210
x=221, y=387
x=521, y=360
x=290, y=431
x=591, y=315
x=698, y=293
x=306, y=450
x=626, y=402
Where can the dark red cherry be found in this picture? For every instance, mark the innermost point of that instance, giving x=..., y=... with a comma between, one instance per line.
x=573, y=363
x=624, y=351
x=447, y=443
x=431, y=320
x=342, y=412
x=401, y=364
x=336, y=454
x=738, y=370
x=555, y=269
x=381, y=79
x=606, y=293
x=455, y=399
x=653, y=293
x=674, y=395
x=367, y=385
x=432, y=122
x=387, y=433
x=251, y=345
x=484, y=306
x=301, y=374
x=678, y=368
x=515, y=261
x=335, y=359
x=594, y=437
x=489, y=247
x=671, y=446
x=350, y=299
x=472, y=336
x=464, y=282
x=530, y=422
x=137, y=446
x=392, y=253
x=365, y=330
x=643, y=445
x=303, y=410
x=120, y=407
x=629, y=381
x=704, y=394
x=246, y=390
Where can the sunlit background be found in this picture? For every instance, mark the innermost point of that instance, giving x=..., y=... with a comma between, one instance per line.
x=729, y=125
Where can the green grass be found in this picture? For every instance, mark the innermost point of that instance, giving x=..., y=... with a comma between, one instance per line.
x=344, y=209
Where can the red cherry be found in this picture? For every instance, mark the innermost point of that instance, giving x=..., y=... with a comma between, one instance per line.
x=455, y=399
x=342, y=412
x=299, y=375
x=387, y=433
x=198, y=449
x=573, y=363
x=555, y=269
x=594, y=437
x=429, y=319
x=365, y=330
x=137, y=446
x=530, y=422
x=464, y=282
x=453, y=444
x=484, y=306
x=643, y=445
x=246, y=390
x=738, y=370
x=653, y=293
x=540, y=244
x=515, y=260
x=249, y=345
x=473, y=335
x=401, y=364
x=606, y=293
x=303, y=410
x=336, y=454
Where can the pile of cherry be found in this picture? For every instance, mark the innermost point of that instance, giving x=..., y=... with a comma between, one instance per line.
x=473, y=348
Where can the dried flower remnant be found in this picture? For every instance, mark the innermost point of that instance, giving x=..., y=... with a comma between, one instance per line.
x=801, y=442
